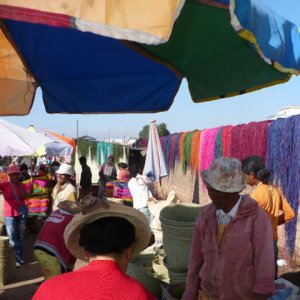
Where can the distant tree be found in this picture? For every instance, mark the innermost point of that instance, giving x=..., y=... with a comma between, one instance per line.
x=144, y=133
x=161, y=128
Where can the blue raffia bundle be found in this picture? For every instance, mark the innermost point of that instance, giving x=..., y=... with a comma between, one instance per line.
x=284, y=165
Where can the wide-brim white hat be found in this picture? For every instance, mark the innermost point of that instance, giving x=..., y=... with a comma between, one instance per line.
x=65, y=169
x=225, y=174
x=134, y=216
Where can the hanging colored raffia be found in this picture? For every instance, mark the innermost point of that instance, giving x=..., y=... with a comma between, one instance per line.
x=237, y=140
x=177, y=148
x=118, y=152
x=194, y=161
x=167, y=151
x=100, y=150
x=163, y=142
x=142, y=143
x=219, y=143
x=172, y=151
x=103, y=151
x=85, y=147
x=181, y=148
x=226, y=140
x=249, y=139
x=284, y=165
x=187, y=150
x=207, y=147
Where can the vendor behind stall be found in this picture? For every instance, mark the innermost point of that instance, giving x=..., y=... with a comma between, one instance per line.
x=107, y=173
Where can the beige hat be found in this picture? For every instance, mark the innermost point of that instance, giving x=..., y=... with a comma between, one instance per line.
x=70, y=206
x=225, y=175
x=135, y=217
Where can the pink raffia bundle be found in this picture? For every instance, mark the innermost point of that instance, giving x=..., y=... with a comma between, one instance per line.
x=207, y=147
x=250, y=139
x=226, y=140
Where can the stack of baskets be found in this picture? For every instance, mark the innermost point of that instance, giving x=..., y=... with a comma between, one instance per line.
x=7, y=261
x=177, y=222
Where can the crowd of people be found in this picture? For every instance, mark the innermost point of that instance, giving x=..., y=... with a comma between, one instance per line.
x=234, y=248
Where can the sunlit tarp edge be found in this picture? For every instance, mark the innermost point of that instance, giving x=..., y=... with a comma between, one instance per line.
x=112, y=18
x=283, y=49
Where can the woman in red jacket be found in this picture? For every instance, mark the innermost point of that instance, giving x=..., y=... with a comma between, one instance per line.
x=108, y=237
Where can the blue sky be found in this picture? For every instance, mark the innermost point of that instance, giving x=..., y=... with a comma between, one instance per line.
x=184, y=115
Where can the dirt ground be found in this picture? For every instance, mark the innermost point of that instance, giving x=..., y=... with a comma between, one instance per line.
x=26, y=279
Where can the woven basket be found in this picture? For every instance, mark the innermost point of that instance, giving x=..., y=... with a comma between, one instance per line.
x=173, y=291
x=154, y=285
x=174, y=275
x=7, y=261
x=177, y=222
x=144, y=259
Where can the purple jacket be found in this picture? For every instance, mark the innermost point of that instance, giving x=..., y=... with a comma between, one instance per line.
x=242, y=266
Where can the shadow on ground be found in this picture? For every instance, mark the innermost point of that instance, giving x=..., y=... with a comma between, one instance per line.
x=25, y=280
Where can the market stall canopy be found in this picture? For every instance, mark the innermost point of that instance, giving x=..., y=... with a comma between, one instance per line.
x=57, y=147
x=18, y=141
x=103, y=57
x=64, y=138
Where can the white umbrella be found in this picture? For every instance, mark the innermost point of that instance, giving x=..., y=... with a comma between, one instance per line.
x=18, y=141
x=155, y=160
x=56, y=148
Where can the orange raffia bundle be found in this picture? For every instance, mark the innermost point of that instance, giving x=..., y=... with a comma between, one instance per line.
x=181, y=147
x=194, y=160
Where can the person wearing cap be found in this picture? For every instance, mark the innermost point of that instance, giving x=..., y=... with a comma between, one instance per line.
x=124, y=173
x=140, y=192
x=64, y=189
x=14, y=194
x=107, y=173
x=269, y=197
x=49, y=248
x=231, y=256
x=108, y=238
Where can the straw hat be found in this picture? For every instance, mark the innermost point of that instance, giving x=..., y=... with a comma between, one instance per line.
x=135, y=217
x=225, y=174
x=13, y=169
x=69, y=206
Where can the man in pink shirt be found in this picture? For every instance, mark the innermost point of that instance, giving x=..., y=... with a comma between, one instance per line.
x=14, y=193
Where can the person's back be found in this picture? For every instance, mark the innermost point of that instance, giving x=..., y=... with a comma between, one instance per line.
x=99, y=280
x=139, y=190
x=108, y=235
x=86, y=174
x=271, y=199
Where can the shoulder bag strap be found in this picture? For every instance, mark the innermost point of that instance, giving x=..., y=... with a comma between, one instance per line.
x=15, y=192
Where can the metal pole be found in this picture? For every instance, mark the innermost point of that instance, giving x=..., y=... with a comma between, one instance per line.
x=77, y=129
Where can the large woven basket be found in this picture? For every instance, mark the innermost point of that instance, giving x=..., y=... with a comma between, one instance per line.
x=7, y=261
x=154, y=285
x=177, y=222
x=173, y=291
